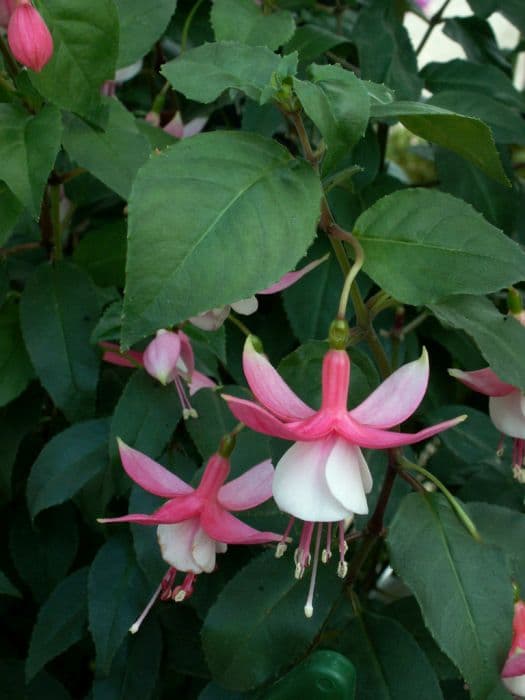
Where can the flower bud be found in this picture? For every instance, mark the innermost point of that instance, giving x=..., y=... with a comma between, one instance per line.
x=29, y=38
x=161, y=356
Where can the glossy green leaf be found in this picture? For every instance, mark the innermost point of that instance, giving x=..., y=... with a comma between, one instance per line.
x=115, y=598
x=337, y=102
x=60, y=623
x=513, y=10
x=500, y=338
x=85, y=40
x=443, y=566
x=112, y=154
x=145, y=542
x=468, y=137
x=272, y=600
x=478, y=41
x=10, y=210
x=15, y=368
x=203, y=73
x=141, y=24
x=180, y=253
x=390, y=665
x=253, y=25
x=58, y=311
x=67, y=462
x=408, y=233
x=386, y=54
x=506, y=124
x=28, y=148
x=311, y=41
x=102, y=253
x=459, y=74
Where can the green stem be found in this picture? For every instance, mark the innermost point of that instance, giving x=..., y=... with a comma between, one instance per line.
x=240, y=325
x=303, y=138
x=351, y=275
x=54, y=196
x=434, y=20
x=187, y=25
x=334, y=180
x=460, y=512
x=10, y=62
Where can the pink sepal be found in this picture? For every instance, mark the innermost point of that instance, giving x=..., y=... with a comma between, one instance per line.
x=200, y=381
x=514, y=666
x=150, y=475
x=112, y=354
x=248, y=490
x=258, y=418
x=224, y=527
x=291, y=278
x=484, y=381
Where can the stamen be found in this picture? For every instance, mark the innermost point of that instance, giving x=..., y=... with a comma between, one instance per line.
x=309, y=608
x=185, y=590
x=282, y=546
x=326, y=554
x=187, y=409
x=501, y=446
x=342, y=567
x=167, y=583
x=302, y=556
x=136, y=625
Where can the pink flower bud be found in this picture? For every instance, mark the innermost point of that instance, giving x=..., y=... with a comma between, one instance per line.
x=29, y=38
x=6, y=10
x=162, y=355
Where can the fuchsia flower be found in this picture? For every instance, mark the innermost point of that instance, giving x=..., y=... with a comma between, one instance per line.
x=212, y=320
x=323, y=477
x=176, y=127
x=506, y=408
x=169, y=359
x=29, y=38
x=195, y=524
x=513, y=674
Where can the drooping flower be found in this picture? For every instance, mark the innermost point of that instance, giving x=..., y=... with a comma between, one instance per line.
x=513, y=673
x=169, y=359
x=506, y=408
x=196, y=524
x=29, y=38
x=213, y=319
x=323, y=477
x=109, y=87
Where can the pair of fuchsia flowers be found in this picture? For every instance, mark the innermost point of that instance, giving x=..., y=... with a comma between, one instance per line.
x=322, y=479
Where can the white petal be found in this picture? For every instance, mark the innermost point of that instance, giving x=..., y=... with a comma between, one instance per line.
x=128, y=72
x=366, y=476
x=299, y=484
x=344, y=476
x=507, y=413
x=211, y=320
x=203, y=550
x=176, y=542
x=515, y=685
x=220, y=547
x=246, y=307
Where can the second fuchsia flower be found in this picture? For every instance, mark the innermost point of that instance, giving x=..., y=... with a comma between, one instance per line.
x=29, y=38
x=324, y=477
x=513, y=673
x=196, y=524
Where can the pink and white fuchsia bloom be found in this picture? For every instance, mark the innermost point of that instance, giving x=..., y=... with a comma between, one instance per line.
x=29, y=38
x=212, y=320
x=513, y=673
x=196, y=524
x=323, y=477
x=506, y=408
x=169, y=359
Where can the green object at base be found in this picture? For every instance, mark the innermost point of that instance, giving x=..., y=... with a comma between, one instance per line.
x=325, y=675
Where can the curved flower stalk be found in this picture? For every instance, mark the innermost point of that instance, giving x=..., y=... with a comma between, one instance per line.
x=212, y=320
x=196, y=524
x=29, y=38
x=169, y=359
x=513, y=673
x=323, y=477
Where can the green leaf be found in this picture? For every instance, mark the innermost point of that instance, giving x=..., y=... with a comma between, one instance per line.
x=141, y=24
x=459, y=74
x=60, y=623
x=503, y=528
x=203, y=73
x=408, y=233
x=443, y=566
x=469, y=137
x=135, y=668
x=102, y=253
x=236, y=646
x=385, y=52
x=115, y=598
x=184, y=258
x=85, y=40
x=28, y=148
x=311, y=41
x=500, y=338
x=390, y=665
x=58, y=311
x=252, y=25
x=145, y=417
x=113, y=154
x=145, y=542
x=10, y=210
x=506, y=124
x=108, y=326
x=15, y=368
x=7, y=588
x=513, y=10
x=67, y=462
x=337, y=102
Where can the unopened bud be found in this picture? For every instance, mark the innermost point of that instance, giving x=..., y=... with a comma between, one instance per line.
x=338, y=334
x=514, y=301
x=29, y=38
x=161, y=356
